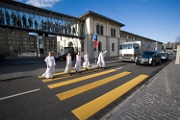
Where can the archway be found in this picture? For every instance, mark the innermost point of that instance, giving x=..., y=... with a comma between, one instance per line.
x=70, y=44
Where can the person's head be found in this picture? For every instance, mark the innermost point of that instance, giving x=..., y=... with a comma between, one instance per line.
x=86, y=53
x=78, y=53
x=69, y=53
x=50, y=53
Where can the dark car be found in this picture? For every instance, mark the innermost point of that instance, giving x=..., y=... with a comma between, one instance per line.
x=164, y=55
x=149, y=57
x=2, y=56
x=63, y=57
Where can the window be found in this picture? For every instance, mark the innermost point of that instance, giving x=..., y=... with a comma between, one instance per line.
x=112, y=47
x=99, y=46
x=101, y=30
x=113, y=32
x=97, y=29
x=82, y=47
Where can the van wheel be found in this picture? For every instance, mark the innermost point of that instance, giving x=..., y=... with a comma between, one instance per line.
x=153, y=63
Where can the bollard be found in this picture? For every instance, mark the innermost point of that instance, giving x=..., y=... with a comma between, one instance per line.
x=178, y=55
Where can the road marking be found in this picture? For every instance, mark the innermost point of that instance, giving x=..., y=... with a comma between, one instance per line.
x=15, y=95
x=85, y=111
x=62, y=77
x=119, y=68
x=81, y=89
x=55, y=85
x=59, y=78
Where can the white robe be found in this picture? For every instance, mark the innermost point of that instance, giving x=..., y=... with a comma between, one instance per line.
x=78, y=63
x=50, y=62
x=68, y=64
x=86, y=61
x=101, y=62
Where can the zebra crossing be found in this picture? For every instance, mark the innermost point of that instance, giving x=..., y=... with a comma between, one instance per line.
x=90, y=108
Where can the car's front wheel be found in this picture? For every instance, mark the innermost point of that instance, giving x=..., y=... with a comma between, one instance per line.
x=160, y=61
x=153, y=63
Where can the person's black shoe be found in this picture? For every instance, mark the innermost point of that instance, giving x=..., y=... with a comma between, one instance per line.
x=70, y=74
x=86, y=69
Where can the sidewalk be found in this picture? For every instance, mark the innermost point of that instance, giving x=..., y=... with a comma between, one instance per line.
x=158, y=100
x=27, y=67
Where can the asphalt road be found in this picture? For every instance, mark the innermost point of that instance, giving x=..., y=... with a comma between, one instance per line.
x=36, y=98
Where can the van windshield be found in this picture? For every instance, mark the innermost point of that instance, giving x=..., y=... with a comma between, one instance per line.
x=126, y=46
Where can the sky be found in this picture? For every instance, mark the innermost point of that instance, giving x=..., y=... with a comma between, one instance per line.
x=155, y=19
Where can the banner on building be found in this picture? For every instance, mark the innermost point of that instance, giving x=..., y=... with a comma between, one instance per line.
x=94, y=38
x=95, y=44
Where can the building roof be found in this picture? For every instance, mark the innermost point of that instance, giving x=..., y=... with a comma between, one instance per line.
x=100, y=16
x=141, y=36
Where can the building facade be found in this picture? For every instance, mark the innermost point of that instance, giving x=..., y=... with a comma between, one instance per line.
x=127, y=36
x=11, y=41
x=22, y=42
x=107, y=31
x=46, y=43
x=109, y=37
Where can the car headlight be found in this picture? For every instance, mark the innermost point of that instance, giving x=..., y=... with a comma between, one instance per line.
x=150, y=60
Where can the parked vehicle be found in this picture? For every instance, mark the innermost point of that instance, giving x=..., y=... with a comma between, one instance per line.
x=164, y=55
x=130, y=50
x=149, y=57
x=66, y=51
x=2, y=56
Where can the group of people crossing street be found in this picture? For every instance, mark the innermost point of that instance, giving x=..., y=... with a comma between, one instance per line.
x=50, y=62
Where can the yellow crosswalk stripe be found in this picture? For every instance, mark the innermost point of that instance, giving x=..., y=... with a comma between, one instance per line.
x=67, y=76
x=85, y=111
x=75, y=91
x=51, y=86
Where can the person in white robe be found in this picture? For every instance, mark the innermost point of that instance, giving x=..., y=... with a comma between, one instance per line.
x=86, y=61
x=78, y=62
x=50, y=62
x=101, y=62
x=68, y=64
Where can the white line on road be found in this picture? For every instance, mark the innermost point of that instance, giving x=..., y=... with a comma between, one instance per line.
x=30, y=91
x=119, y=68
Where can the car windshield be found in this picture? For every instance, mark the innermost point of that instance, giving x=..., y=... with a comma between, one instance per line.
x=126, y=46
x=148, y=53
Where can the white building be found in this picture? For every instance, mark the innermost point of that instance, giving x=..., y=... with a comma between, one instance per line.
x=109, y=36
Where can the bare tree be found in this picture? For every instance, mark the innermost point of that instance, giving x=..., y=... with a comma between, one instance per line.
x=177, y=42
x=178, y=39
